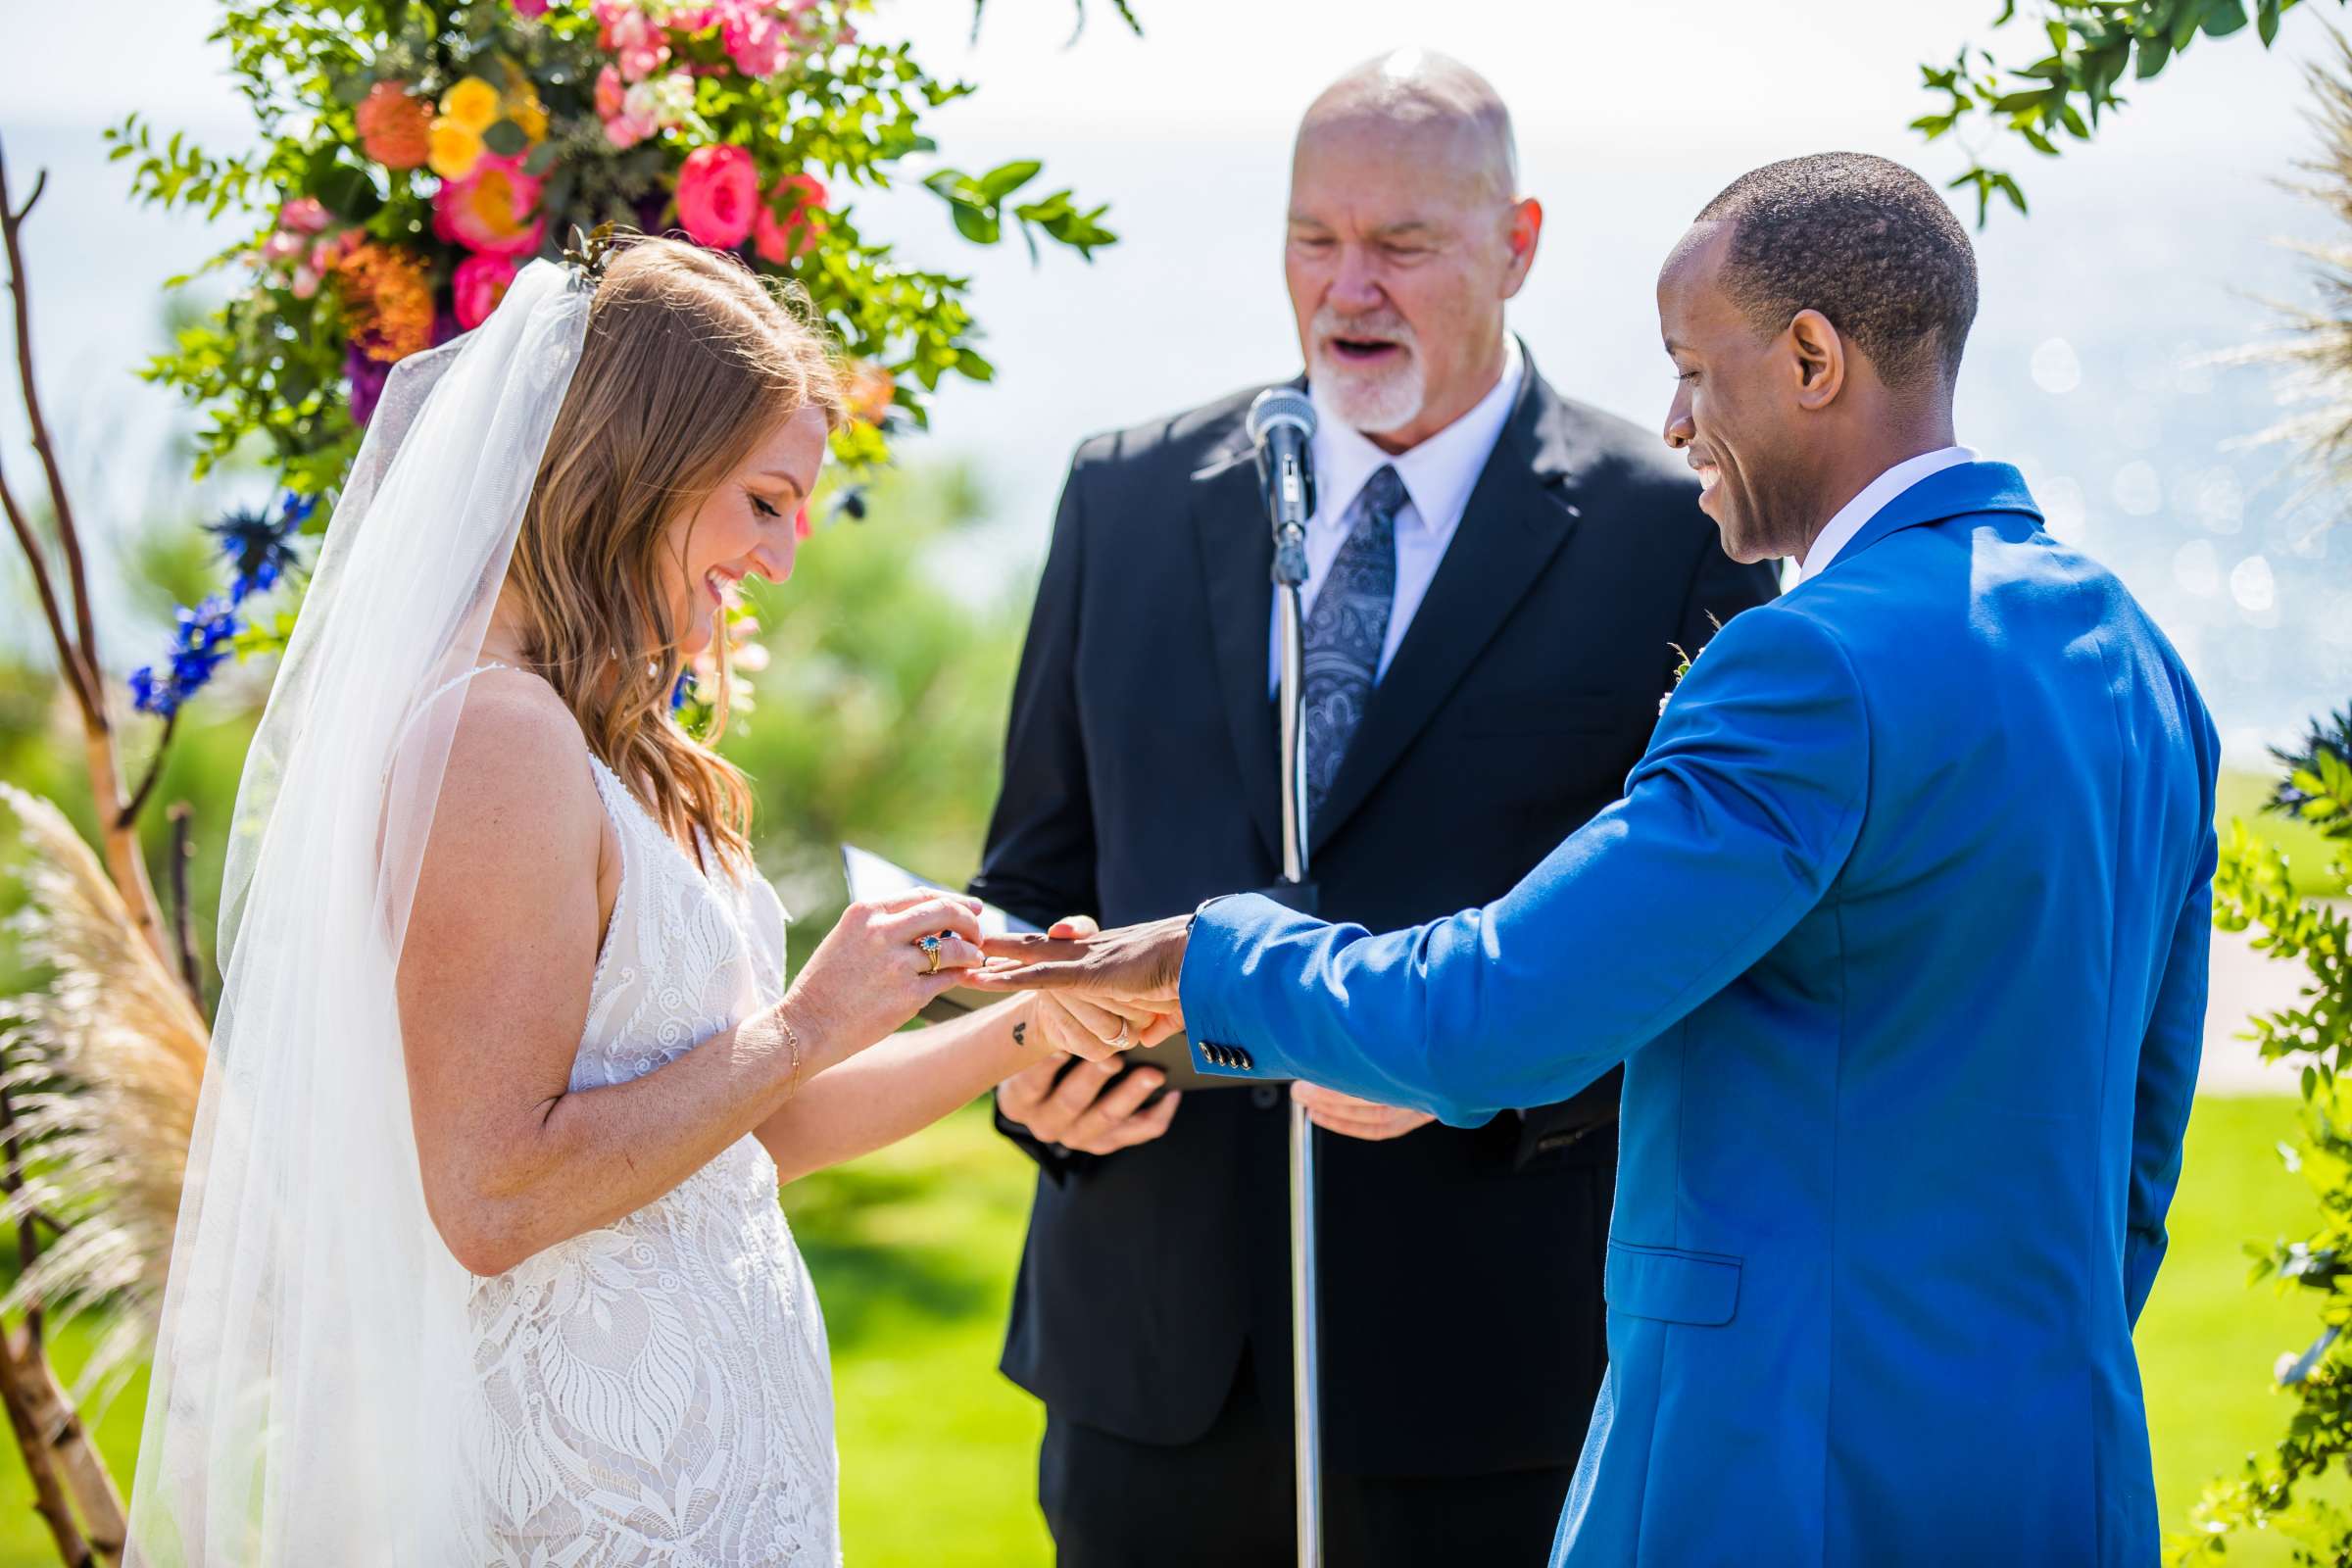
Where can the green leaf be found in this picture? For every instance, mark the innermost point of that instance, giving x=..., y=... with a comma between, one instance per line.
x=1933, y=126
x=2224, y=18
x=1005, y=179
x=505, y=138
x=975, y=224
x=973, y=366
x=2265, y=22
x=2153, y=53
x=347, y=192
x=2185, y=19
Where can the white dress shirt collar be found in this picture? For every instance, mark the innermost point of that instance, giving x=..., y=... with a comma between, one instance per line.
x=1439, y=473
x=1872, y=499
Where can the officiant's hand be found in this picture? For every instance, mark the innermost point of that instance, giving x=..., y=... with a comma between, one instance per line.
x=1352, y=1117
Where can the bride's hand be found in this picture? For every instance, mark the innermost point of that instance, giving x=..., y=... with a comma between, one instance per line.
x=870, y=975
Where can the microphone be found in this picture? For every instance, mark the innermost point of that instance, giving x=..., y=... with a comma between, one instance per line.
x=1281, y=422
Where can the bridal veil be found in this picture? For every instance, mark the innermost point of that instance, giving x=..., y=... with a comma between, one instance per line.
x=312, y=1351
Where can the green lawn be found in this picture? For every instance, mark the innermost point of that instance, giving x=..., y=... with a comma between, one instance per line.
x=2241, y=794
x=914, y=1251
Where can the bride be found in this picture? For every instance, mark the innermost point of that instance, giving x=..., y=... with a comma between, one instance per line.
x=480, y=1259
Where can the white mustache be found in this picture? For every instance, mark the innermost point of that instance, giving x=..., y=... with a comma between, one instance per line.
x=1385, y=327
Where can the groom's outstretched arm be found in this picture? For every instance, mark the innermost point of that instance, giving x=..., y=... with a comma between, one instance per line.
x=1733, y=825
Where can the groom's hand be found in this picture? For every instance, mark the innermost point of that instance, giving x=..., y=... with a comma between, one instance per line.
x=1086, y=1107
x=1129, y=972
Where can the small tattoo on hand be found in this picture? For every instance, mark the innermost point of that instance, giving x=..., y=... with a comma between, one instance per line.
x=1021, y=1034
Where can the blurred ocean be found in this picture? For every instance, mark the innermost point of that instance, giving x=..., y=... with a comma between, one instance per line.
x=2146, y=254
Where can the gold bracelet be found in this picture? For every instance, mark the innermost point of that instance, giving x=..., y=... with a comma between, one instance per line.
x=791, y=1039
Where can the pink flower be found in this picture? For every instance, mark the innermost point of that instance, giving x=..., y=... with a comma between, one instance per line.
x=490, y=210
x=802, y=198
x=533, y=9
x=477, y=285
x=718, y=195
x=756, y=40
x=622, y=127
x=643, y=60
x=305, y=284
x=282, y=245
x=304, y=214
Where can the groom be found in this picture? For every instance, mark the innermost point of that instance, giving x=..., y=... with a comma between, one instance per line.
x=1905, y=1097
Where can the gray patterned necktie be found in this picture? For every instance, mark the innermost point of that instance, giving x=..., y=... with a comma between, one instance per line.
x=1347, y=631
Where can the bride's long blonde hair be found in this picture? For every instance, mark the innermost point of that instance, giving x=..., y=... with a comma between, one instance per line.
x=690, y=358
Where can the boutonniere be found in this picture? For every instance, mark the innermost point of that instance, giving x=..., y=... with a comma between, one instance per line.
x=1679, y=671
x=1683, y=667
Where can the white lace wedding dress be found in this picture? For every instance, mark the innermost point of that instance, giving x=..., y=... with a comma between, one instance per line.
x=658, y=1390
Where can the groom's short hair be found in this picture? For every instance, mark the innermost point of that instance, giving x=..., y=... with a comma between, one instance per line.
x=1864, y=241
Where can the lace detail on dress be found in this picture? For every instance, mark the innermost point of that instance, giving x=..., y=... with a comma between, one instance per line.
x=658, y=1391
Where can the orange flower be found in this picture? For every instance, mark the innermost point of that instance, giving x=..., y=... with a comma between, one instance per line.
x=387, y=300
x=394, y=127
x=871, y=390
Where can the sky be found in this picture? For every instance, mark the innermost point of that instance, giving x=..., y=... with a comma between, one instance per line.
x=2147, y=253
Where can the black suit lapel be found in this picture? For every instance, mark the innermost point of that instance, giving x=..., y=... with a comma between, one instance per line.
x=1521, y=512
x=1237, y=567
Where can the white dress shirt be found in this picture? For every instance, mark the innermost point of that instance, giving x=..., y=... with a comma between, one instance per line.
x=1439, y=476
x=1872, y=499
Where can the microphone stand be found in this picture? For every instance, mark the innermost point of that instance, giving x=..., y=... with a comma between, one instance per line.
x=1290, y=577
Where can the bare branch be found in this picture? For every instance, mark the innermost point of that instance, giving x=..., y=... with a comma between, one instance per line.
x=155, y=770
x=183, y=921
x=67, y=537
x=69, y=658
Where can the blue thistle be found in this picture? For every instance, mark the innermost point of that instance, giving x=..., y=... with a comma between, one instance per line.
x=683, y=690
x=259, y=546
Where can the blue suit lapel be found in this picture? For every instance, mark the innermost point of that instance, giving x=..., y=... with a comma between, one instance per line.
x=1953, y=492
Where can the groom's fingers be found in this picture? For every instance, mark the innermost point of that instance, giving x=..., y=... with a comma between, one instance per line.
x=1031, y=950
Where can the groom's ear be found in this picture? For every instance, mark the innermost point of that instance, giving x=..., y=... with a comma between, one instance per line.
x=1816, y=359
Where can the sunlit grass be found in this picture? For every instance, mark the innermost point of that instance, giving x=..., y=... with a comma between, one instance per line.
x=913, y=1251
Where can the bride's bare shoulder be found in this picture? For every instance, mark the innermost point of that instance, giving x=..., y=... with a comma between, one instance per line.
x=519, y=758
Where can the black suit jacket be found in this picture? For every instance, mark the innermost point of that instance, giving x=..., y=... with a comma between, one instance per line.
x=1461, y=1269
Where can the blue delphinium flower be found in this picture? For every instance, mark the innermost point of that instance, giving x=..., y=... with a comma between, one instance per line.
x=201, y=638
x=682, y=691
x=259, y=546
x=260, y=551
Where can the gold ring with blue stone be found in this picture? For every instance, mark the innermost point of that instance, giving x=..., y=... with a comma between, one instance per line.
x=930, y=947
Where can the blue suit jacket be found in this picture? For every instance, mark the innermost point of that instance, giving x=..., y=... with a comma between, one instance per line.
x=1903, y=1100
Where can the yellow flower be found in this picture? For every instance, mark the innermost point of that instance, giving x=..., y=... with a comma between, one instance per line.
x=522, y=104
x=456, y=149
x=473, y=104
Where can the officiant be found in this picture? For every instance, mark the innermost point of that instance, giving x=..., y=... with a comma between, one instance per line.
x=1502, y=582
